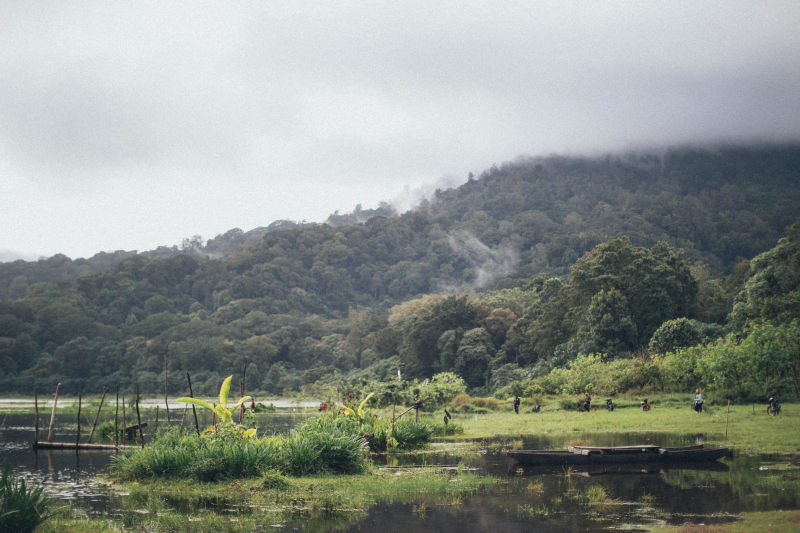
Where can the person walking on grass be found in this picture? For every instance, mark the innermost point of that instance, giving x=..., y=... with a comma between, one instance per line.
x=516, y=403
x=697, y=404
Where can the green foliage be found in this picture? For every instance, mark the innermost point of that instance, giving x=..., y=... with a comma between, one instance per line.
x=597, y=374
x=681, y=333
x=772, y=289
x=222, y=411
x=762, y=364
x=464, y=403
x=22, y=508
x=321, y=445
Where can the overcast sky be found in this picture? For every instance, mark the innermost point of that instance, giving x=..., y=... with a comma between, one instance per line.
x=129, y=125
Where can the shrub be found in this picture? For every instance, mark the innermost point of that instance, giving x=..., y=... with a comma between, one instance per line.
x=465, y=403
x=22, y=509
x=323, y=444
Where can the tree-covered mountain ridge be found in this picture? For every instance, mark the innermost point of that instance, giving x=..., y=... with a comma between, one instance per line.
x=568, y=255
x=719, y=206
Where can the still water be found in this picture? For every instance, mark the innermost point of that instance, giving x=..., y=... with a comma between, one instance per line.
x=527, y=499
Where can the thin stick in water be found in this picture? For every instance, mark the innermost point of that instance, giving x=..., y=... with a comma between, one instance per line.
x=138, y=417
x=78, y=437
x=36, y=421
x=53, y=415
x=194, y=411
x=97, y=415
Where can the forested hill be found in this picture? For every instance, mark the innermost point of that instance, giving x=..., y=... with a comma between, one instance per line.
x=288, y=297
x=719, y=206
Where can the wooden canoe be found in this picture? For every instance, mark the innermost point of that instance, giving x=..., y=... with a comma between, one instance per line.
x=598, y=455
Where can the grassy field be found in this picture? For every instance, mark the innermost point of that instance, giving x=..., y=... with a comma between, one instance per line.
x=749, y=429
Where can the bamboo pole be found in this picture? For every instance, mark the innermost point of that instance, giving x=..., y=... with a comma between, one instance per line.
x=116, y=420
x=726, y=419
x=97, y=415
x=78, y=437
x=155, y=428
x=394, y=405
x=166, y=391
x=36, y=421
x=138, y=417
x=194, y=411
x=124, y=423
x=53, y=415
x=241, y=391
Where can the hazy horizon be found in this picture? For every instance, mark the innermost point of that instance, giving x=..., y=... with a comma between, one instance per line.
x=128, y=127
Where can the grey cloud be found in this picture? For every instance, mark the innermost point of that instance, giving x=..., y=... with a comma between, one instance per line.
x=370, y=97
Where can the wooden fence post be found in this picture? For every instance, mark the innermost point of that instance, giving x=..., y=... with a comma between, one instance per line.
x=138, y=417
x=166, y=389
x=78, y=437
x=53, y=415
x=97, y=415
x=194, y=411
x=36, y=422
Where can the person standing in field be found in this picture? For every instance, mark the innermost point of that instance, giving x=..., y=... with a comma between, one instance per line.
x=516, y=403
x=697, y=404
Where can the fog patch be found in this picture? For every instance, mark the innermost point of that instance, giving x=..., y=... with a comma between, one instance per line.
x=486, y=263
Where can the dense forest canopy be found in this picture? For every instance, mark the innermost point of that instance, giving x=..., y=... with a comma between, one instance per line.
x=519, y=271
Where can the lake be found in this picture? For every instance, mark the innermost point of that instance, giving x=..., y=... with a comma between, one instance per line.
x=554, y=499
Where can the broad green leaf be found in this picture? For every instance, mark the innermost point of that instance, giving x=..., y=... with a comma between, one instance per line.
x=364, y=402
x=196, y=401
x=224, y=390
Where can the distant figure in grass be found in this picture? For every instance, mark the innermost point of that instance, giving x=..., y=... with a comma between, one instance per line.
x=447, y=416
x=773, y=406
x=645, y=404
x=536, y=408
x=609, y=404
x=516, y=404
x=697, y=404
x=587, y=401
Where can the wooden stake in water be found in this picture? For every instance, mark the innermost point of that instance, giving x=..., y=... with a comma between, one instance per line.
x=116, y=420
x=726, y=419
x=166, y=393
x=78, y=437
x=194, y=411
x=36, y=421
x=97, y=415
x=53, y=415
x=138, y=417
x=124, y=423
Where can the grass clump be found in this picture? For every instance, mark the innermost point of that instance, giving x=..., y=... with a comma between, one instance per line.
x=22, y=508
x=464, y=403
x=321, y=445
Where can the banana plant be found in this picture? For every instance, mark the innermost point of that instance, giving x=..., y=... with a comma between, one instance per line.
x=360, y=413
x=221, y=409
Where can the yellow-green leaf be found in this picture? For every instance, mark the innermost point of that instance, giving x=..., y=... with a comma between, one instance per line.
x=224, y=390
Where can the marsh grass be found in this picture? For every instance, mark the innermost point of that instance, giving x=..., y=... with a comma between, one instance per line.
x=319, y=446
x=761, y=522
x=22, y=508
x=318, y=503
